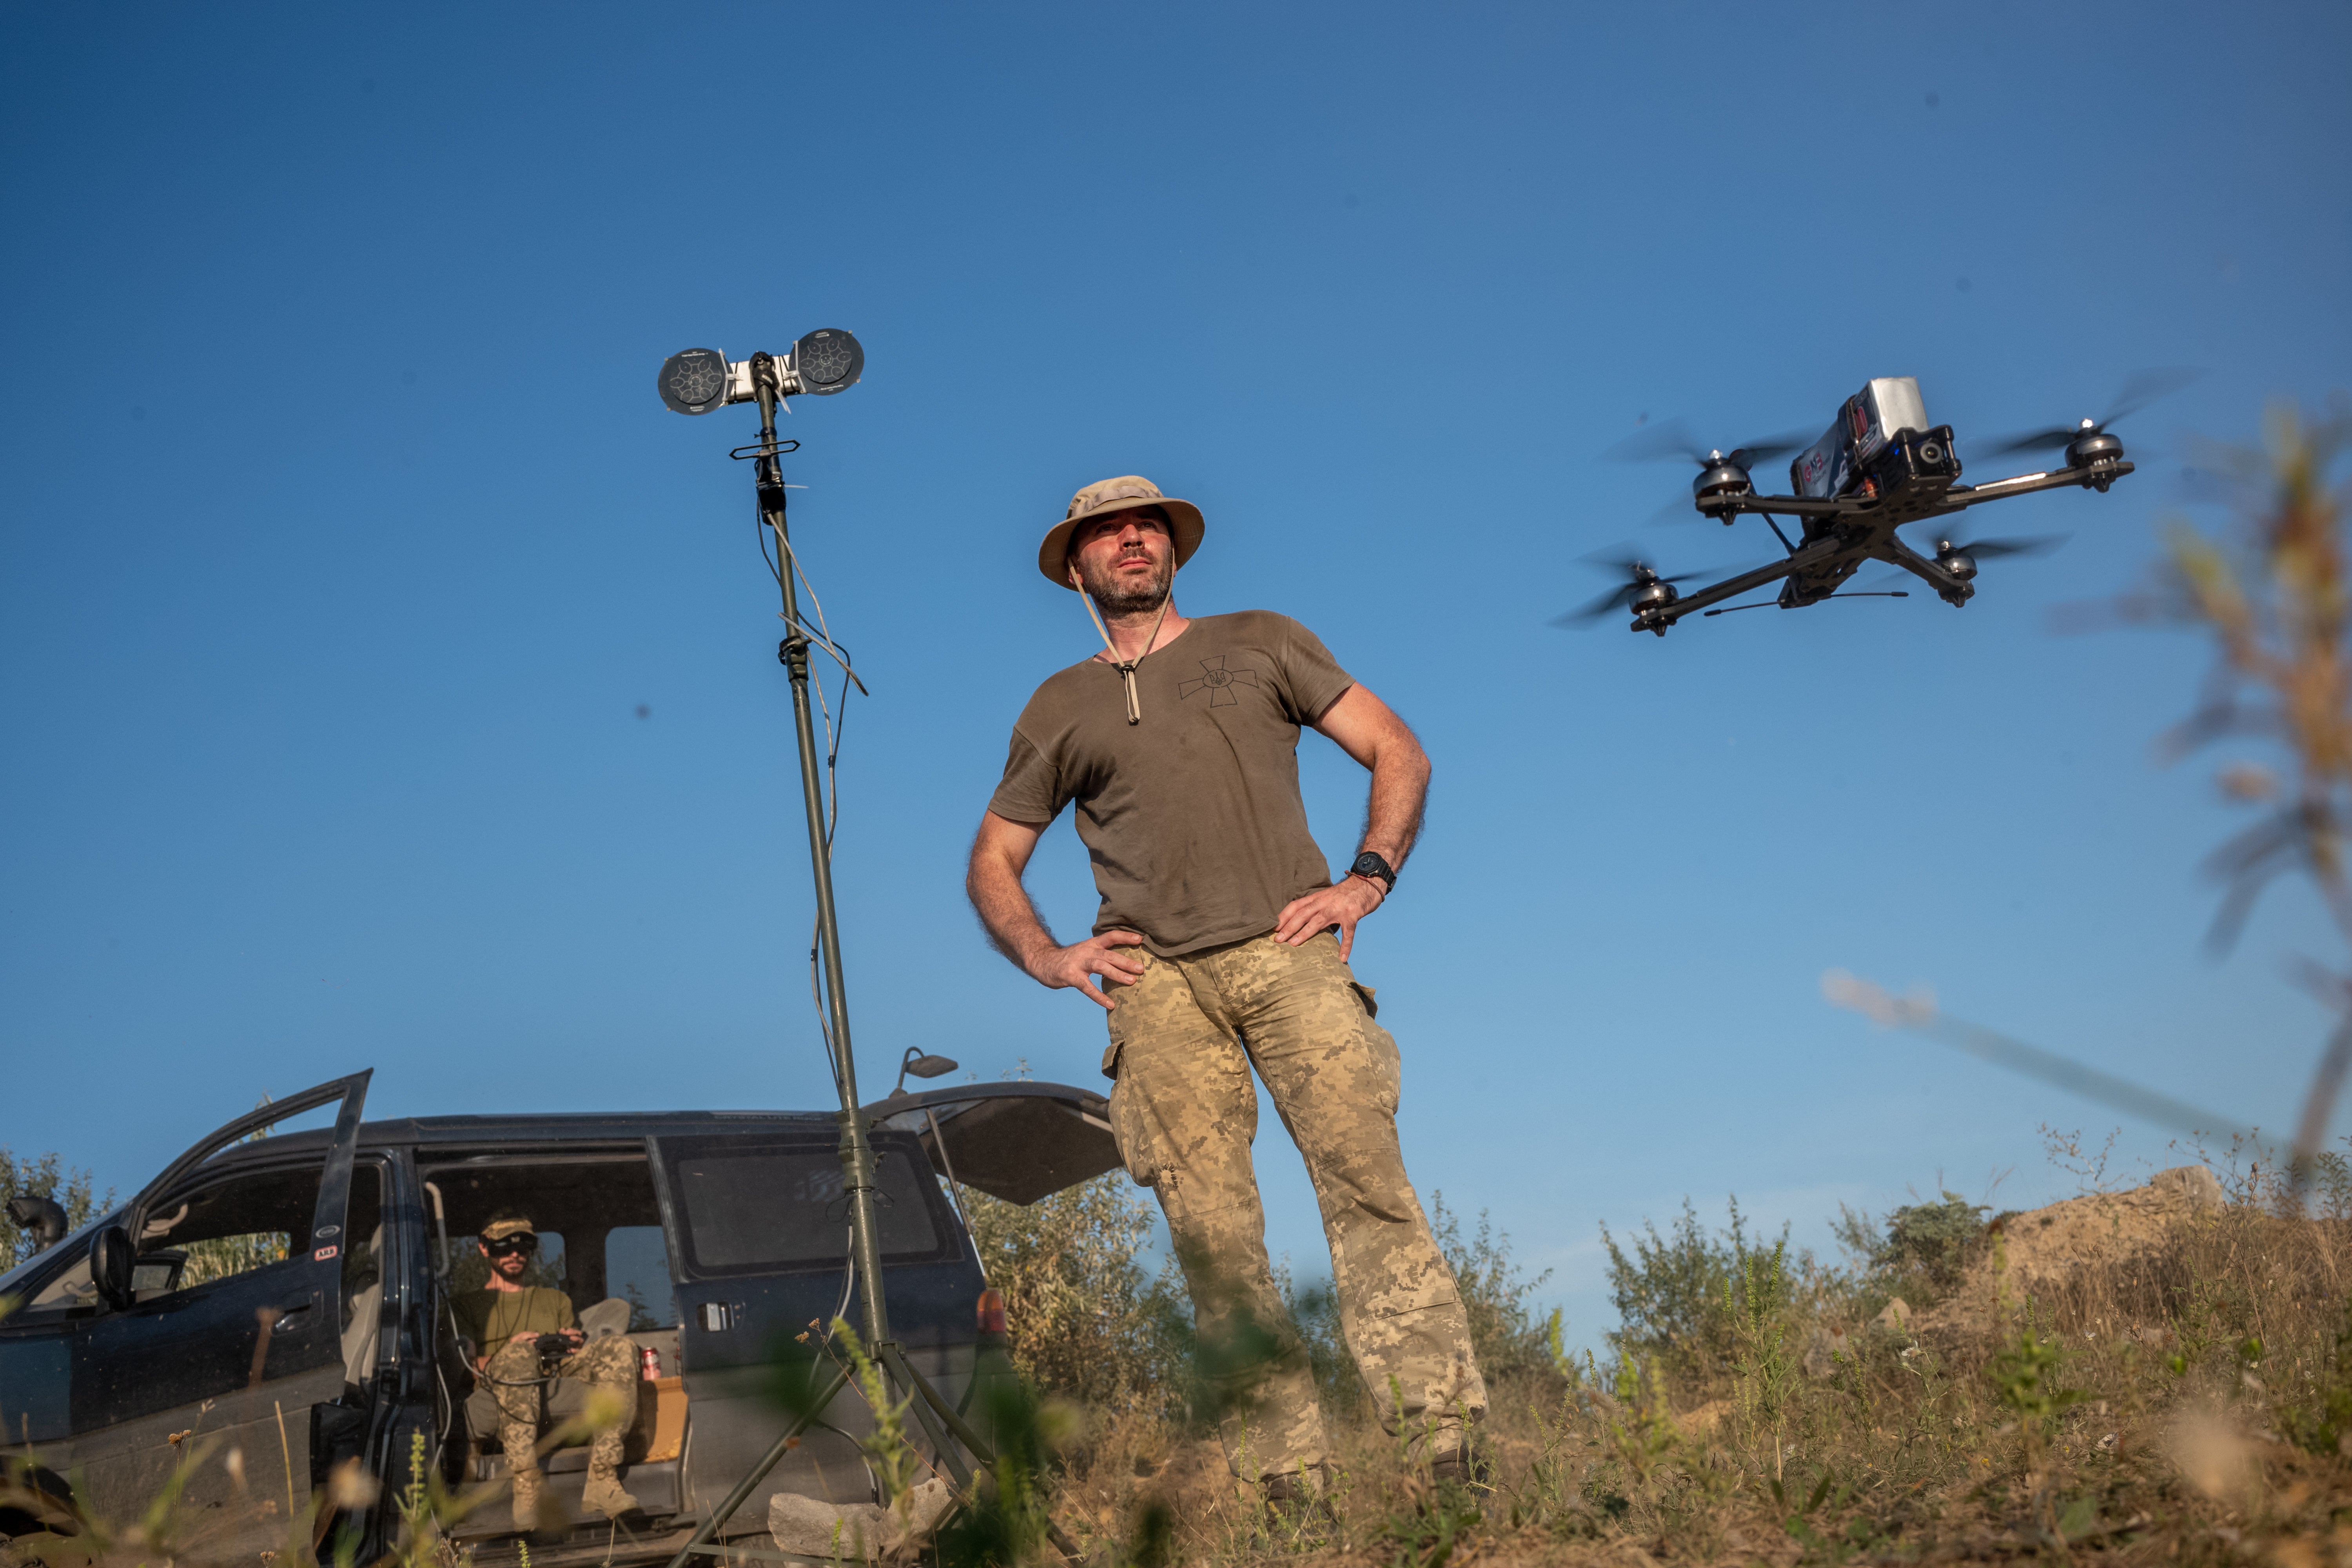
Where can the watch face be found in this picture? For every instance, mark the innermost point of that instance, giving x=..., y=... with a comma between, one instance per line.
x=1371, y=864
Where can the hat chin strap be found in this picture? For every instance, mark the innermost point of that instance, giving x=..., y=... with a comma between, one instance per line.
x=1126, y=667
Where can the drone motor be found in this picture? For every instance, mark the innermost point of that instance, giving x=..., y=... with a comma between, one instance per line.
x=1721, y=478
x=2089, y=447
x=2096, y=450
x=1643, y=591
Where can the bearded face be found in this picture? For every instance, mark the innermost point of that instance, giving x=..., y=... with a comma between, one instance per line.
x=1127, y=562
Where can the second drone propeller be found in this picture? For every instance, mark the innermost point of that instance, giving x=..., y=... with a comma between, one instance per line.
x=2139, y=389
x=1638, y=574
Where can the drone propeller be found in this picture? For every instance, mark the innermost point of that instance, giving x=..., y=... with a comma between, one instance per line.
x=1992, y=549
x=1638, y=574
x=1673, y=438
x=2139, y=389
x=1721, y=474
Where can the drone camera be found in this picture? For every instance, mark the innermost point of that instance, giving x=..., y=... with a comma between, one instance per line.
x=1910, y=457
x=822, y=362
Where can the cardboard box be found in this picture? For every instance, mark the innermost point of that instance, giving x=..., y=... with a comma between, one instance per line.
x=659, y=1432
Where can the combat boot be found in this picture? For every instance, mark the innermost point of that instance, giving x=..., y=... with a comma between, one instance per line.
x=1297, y=1500
x=520, y=1443
x=603, y=1492
x=1465, y=1465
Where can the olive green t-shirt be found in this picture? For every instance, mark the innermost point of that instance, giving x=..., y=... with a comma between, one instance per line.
x=1192, y=817
x=492, y=1318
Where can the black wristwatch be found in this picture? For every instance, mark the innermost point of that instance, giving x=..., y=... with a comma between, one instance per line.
x=1371, y=864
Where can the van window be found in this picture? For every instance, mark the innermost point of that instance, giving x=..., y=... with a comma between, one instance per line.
x=235, y=1227
x=254, y=1221
x=637, y=1269
x=67, y=1289
x=752, y=1206
x=224, y=1228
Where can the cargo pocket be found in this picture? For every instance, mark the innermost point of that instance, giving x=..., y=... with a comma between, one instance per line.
x=1386, y=1062
x=1130, y=1130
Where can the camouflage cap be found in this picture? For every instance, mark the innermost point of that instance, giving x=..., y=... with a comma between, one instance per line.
x=501, y=1229
x=1124, y=493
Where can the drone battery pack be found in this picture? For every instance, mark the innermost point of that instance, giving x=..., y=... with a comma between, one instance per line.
x=1868, y=420
x=1821, y=469
x=1880, y=412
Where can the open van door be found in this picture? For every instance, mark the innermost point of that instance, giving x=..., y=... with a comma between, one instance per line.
x=203, y=1318
x=1018, y=1141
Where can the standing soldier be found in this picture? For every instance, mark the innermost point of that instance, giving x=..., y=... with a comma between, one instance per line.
x=1215, y=951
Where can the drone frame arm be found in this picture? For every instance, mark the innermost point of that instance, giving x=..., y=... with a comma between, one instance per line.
x=1952, y=589
x=1788, y=506
x=1955, y=499
x=1732, y=587
x=1963, y=496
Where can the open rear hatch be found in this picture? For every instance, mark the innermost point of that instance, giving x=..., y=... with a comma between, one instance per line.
x=1018, y=1141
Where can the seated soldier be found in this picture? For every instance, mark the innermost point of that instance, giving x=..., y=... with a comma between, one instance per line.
x=512, y=1396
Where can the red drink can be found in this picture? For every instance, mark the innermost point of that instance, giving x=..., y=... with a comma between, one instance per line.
x=652, y=1361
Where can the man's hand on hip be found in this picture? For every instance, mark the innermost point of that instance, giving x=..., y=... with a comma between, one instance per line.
x=1342, y=905
x=1075, y=966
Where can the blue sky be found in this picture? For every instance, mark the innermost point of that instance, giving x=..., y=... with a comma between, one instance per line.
x=342, y=539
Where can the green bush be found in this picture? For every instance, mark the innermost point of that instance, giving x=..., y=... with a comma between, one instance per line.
x=1511, y=1337
x=1919, y=1252
x=1086, y=1319
x=1937, y=1239
x=1680, y=1297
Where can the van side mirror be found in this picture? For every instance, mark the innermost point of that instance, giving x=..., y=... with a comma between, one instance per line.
x=113, y=1264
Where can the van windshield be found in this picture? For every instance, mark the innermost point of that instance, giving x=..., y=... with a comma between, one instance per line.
x=762, y=1205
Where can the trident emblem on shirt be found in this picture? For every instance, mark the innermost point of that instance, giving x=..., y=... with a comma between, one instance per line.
x=1218, y=681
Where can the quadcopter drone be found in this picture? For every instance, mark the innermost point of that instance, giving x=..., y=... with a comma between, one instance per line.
x=1880, y=467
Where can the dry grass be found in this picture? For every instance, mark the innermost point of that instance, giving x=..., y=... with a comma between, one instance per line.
x=2132, y=1395
x=2156, y=1375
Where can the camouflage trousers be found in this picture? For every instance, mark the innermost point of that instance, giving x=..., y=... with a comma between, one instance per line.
x=505, y=1401
x=1182, y=1040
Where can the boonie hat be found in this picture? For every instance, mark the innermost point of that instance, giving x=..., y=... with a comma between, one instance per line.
x=1124, y=493
x=506, y=1227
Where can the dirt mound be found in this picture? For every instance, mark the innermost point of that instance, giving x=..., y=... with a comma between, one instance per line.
x=2073, y=1252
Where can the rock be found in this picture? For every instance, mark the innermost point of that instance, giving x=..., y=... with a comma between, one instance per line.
x=1829, y=1347
x=1894, y=1319
x=811, y=1527
x=2191, y=1187
x=1705, y=1419
x=2071, y=1246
